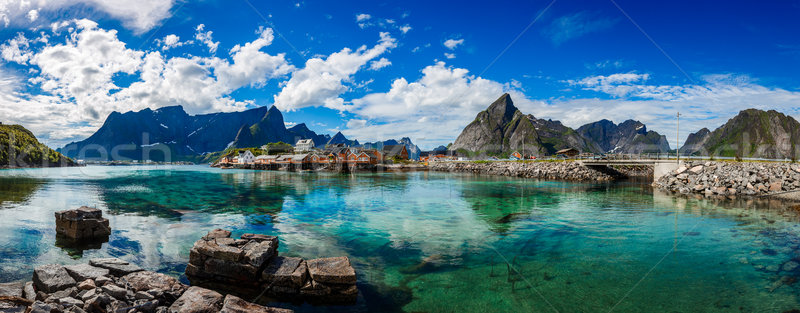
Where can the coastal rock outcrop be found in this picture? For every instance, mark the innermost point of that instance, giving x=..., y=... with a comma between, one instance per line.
x=251, y=265
x=732, y=178
x=55, y=289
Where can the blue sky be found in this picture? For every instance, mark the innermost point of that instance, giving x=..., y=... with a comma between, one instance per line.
x=381, y=70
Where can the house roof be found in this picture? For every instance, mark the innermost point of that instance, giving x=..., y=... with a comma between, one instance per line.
x=266, y=157
x=393, y=150
x=305, y=142
x=566, y=150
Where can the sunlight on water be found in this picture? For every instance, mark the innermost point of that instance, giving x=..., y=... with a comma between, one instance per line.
x=431, y=242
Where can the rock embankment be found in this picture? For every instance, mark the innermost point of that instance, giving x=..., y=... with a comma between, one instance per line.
x=114, y=285
x=541, y=170
x=732, y=178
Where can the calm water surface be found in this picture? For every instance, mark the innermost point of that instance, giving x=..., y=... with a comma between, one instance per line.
x=431, y=242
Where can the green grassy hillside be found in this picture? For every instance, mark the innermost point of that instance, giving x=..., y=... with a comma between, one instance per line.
x=20, y=148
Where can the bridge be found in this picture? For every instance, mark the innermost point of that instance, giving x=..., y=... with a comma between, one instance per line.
x=660, y=166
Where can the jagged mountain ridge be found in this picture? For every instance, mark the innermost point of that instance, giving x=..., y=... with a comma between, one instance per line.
x=152, y=134
x=752, y=133
x=629, y=137
x=502, y=129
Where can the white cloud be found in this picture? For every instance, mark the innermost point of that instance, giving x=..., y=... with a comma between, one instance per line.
x=205, y=38
x=322, y=81
x=363, y=17
x=33, y=15
x=172, y=41
x=405, y=28
x=78, y=90
x=453, y=43
x=450, y=55
x=139, y=16
x=356, y=123
x=379, y=64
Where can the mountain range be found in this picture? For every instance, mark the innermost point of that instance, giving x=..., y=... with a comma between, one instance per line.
x=413, y=150
x=170, y=131
x=752, y=133
x=502, y=128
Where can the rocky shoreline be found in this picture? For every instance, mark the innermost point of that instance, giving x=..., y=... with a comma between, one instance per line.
x=566, y=170
x=113, y=285
x=732, y=178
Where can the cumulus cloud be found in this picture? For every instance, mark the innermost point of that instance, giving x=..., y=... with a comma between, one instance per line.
x=322, y=81
x=453, y=43
x=172, y=41
x=139, y=16
x=379, y=64
x=205, y=38
x=450, y=55
x=78, y=86
x=363, y=17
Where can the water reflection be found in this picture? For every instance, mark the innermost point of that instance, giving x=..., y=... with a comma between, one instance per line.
x=430, y=241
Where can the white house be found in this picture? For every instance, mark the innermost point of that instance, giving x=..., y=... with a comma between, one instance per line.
x=246, y=157
x=304, y=145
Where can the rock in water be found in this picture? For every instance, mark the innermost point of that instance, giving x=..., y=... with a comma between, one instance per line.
x=197, y=300
x=11, y=289
x=235, y=304
x=332, y=270
x=286, y=271
x=82, y=223
x=51, y=278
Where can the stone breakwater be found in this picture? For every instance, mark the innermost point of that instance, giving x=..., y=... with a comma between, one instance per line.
x=540, y=170
x=732, y=178
x=113, y=285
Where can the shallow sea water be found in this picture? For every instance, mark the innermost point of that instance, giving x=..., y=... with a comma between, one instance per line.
x=432, y=242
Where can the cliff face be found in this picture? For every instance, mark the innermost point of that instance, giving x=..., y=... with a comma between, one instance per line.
x=628, y=137
x=695, y=141
x=502, y=128
x=752, y=133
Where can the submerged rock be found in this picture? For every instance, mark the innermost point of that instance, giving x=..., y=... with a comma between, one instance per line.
x=332, y=270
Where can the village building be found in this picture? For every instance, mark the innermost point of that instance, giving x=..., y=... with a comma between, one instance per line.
x=246, y=157
x=395, y=151
x=304, y=145
x=568, y=152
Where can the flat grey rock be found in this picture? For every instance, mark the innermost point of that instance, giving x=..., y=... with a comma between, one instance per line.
x=51, y=278
x=116, y=267
x=82, y=272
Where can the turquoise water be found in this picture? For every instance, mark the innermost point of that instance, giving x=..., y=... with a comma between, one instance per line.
x=432, y=242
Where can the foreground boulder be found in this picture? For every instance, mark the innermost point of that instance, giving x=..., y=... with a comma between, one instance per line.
x=82, y=224
x=140, y=292
x=197, y=300
x=251, y=264
x=51, y=278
